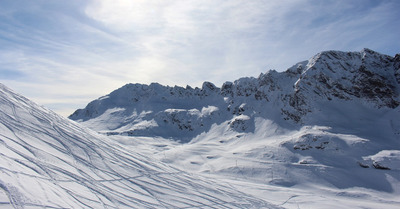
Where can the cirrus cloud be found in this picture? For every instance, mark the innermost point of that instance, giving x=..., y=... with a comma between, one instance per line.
x=65, y=53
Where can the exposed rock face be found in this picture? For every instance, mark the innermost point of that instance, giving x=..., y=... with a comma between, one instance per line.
x=367, y=77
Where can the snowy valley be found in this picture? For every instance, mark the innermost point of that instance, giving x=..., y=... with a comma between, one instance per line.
x=323, y=134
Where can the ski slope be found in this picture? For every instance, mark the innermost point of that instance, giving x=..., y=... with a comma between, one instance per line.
x=47, y=161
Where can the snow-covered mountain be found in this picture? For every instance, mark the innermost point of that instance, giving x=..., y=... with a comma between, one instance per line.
x=313, y=92
x=47, y=161
x=323, y=134
x=328, y=127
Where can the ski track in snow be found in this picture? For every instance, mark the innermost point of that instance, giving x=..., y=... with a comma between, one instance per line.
x=48, y=161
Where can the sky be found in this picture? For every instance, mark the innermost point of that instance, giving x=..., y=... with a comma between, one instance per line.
x=64, y=54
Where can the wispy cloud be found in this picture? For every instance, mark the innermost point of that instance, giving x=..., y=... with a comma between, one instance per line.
x=61, y=52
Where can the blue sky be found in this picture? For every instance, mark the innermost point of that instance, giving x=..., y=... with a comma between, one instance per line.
x=63, y=54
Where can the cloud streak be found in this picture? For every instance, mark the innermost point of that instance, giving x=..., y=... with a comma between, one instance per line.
x=67, y=51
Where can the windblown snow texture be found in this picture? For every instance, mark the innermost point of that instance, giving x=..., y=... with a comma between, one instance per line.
x=47, y=161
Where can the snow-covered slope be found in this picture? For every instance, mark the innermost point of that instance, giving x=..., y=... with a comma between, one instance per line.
x=313, y=167
x=47, y=161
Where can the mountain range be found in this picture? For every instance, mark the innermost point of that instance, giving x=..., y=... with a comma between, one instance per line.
x=335, y=89
x=325, y=133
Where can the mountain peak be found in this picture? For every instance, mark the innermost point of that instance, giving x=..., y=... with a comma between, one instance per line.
x=365, y=75
x=370, y=51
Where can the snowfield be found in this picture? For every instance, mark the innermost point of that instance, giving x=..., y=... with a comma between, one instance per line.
x=47, y=161
x=323, y=134
x=270, y=167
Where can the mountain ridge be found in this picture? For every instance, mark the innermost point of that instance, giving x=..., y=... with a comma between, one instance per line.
x=138, y=109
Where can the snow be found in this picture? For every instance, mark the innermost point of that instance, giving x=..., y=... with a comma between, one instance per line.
x=389, y=159
x=273, y=171
x=205, y=111
x=323, y=134
x=322, y=127
x=51, y=162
